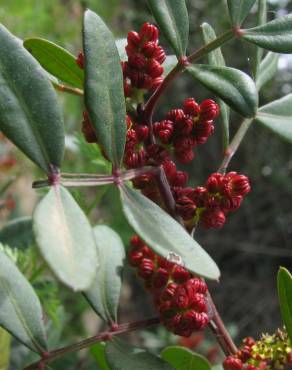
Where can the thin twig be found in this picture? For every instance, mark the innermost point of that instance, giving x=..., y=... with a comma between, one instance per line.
x=105, y=336
x=234, y=145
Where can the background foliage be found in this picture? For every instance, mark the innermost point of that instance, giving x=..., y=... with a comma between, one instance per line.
x=254, y=242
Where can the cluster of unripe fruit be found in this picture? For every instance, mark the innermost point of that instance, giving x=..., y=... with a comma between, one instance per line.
x=271, y=352
x=179, y=296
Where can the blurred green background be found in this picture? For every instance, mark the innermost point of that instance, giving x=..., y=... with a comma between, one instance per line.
x=256, y=239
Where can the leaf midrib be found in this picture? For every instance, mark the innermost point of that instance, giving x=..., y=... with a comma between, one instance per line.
x=18, y=312
x=69, y=70
x=29, y=118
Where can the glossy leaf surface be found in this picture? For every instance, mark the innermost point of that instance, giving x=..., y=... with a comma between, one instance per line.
x=274, y=36
x=29, y=113
x=20, y=309
x=104, y=293
x=104, y=92
x=216, y=58
x=183, y=358
x=56, y=60
x=239, y=9
x=172, y=18
x=165, y=235
x=277, y=117
x=267, y=69
x=234, y=87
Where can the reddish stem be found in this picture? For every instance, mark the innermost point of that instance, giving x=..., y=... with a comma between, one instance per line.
x=102, y=337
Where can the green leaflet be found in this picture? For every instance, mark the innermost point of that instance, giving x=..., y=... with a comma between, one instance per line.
x=104, y=92
x=29, y=113
x=65, y=239
x=172, y=18
x=267, y=69
x=277, y=117
x=56, y=60
x=234, y=87
x=21, y=312
x=216, y=58
x=104, y=293
x=183, y=358
x=274, y=36
x=239, y=10
x=165, y=235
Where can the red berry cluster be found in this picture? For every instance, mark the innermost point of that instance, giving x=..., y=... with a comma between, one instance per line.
x=177, y=135
x=210, y=204
x=271, y=352
x=179, y=296
x=143, y=70
x=186, y=128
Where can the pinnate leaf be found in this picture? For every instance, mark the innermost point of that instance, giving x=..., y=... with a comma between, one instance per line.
x=274, y=36
x=165, y=235
x=234, y=87
x=267, y=69
x=65, y=239
x=104, y=92
x=285, y=298
x=20, y=309
x=172, y=18
x=216, y=58
x=56, y=60
x=104, y=293
x=277, y=117
x=29, y=113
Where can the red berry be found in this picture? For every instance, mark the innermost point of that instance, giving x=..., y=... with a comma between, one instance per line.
x=142, y=132
x=232, y=363
x=240, y=184
x=181, y=298
x=80, y=60
x=191, y=107
x=214, y=183
x=180, y=179
x=146, y=268
x=137, y=60
x=180, y=274
x=170, y=169
x=209, y=110
x=168, y=292
x=186, y=208
x=213, y=218
x=175, y=114
x=133, y=39
x=159, y=54
x=154, y=68
x=185, y=156
x=160, y=278
x=149, y=32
